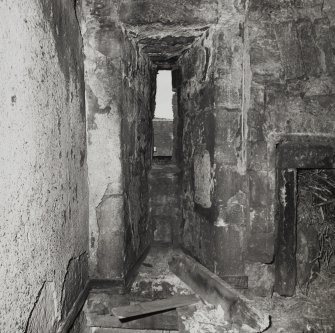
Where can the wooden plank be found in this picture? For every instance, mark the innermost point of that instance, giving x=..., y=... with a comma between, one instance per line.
x=285, y=261
x=126, y=330
x=238, y=309
x=160, y=321
x=144, y=308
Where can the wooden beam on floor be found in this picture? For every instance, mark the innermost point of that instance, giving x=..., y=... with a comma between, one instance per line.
x=210, y=287
x=121, y=330
x=161, y=321
x=146, y=308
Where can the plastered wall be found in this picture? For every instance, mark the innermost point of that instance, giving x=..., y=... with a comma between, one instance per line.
x=43, y=174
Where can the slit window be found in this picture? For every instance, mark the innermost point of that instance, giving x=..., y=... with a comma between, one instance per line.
x=163, y=120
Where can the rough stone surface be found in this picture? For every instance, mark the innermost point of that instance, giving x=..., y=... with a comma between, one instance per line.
x=214, y=185
x=154, y=11
x=163, y=137
x=247, y=76
x=120, y=87
x=44, y=198
x=290, y=64
x=246, y=85
x=164, y=203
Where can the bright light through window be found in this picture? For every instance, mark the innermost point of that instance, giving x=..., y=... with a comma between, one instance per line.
x=164, y=95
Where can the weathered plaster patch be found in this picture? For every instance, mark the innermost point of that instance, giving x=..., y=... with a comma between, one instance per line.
x=202, y=179
x=104, y=169
x=110, y=242
x=220, y=223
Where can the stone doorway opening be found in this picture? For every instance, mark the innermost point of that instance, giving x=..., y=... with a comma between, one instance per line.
x=305, y=211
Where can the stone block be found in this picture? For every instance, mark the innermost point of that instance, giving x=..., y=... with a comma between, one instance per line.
x=256, y=121
x=227, y=127
x=289, y=48
x=257, y=156
x=226, y=154
x=155, y=11
x=194, y=65
x=206, y=96
x=260, y=220
x=294, y=155
x=310, y=53
x=228, y=91
x=227, y=136
x=257, y=97
x=260, y=247
x=228, y=183
x=229, y=257
x=235, y=211
x=265, y=61
x=258, y=188
x=275, y=108
x=260, y=279
x=109, y=41
x=329, y=9
x=324, y=37
x=321, y=107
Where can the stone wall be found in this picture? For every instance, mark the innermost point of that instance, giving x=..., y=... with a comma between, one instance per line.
x=250, y=83
x=120, y=90
x=163, y=137
x=291, y=100
x=214, y=182
x=251, y=75
x=44, y=195
x=139, y=89
x=165, y=203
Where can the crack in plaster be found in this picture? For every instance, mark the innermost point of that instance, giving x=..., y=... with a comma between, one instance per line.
x=31, y=325
x=34, y=306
